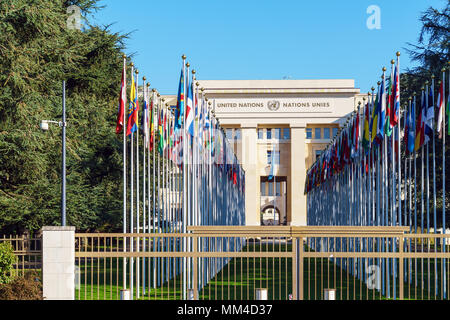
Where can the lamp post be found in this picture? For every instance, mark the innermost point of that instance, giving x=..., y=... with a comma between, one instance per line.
x=44, y=126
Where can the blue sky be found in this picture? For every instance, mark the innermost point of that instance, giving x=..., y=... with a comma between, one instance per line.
x=264, y=39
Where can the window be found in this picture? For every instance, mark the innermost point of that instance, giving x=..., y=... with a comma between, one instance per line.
x=270, y=188
x=335, y=131
x=278, y=187
x=326, y=133
x=237, y=134
x=308, y=133
x=260, y=134
x=269, y=134
x=263, y=189
x=286, y=134
x=269, y=157
x=229, y=133
x=318, y=153
x=277, y=133
x=318, y=133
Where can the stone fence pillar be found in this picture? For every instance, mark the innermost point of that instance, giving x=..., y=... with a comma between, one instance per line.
x=58, y=263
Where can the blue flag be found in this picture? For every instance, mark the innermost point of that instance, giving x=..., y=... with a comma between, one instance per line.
x=411, y=128
x=272, y=165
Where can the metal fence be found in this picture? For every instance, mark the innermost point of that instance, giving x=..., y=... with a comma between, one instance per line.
x=28, y=251
x=233, y=263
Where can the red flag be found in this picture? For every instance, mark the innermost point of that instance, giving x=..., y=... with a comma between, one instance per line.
x=122, y=98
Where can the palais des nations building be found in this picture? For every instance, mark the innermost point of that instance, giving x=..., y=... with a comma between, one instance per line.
x=295, y=119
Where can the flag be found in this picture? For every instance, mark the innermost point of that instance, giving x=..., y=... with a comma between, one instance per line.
x=179, y=110
x=440, y=103
x=122, y=99
x=206, y=125
x=412, y=125
x=161, y=132
x=396, y=96
x=389, y=106
x=152, y=126
x=355, y=136
x=374, y=118
x=189, y=124
x=132, y=124
x=407, y=129
x=366, y=133
x=381, y=112
x=272, y=165
x=145, y=120
x=429, y=116
x=420, y=125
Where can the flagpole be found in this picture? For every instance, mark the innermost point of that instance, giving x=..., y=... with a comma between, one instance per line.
x=149, y=180
x=393, y=219
x=415, y=190
x=184, y=180
x=434, y=188
x=154, y=162
x=124, y=155
x=137, y=193
x=144, y=127
x=411, y=154
x=159, y=196
x=186, y=151
x=397, y=100
x=165, y=190
x=131, y=201
x=444, y=243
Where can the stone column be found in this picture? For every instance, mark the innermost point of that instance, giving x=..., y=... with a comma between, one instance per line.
x=58, y=263
x=249, y=164
x=298, y=175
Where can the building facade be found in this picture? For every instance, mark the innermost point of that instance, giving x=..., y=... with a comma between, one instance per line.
x=277, y=129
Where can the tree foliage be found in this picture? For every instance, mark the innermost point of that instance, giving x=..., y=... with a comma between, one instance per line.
x=432, y=54
x=38, y=51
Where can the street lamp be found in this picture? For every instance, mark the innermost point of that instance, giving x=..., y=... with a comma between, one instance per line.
x=44, y=125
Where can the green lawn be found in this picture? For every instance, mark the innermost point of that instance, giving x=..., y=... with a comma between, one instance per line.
x=238, y=279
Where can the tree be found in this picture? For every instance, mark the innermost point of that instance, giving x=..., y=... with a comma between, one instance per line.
x=38, y=51
x=432, y=54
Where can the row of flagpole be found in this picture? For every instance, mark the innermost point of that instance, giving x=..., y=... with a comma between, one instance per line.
x=190, y=176
x=361, y=179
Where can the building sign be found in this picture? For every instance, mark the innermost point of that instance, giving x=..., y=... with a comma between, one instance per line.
x=275, y=105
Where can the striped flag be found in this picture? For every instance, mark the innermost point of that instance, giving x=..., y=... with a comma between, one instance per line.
x=132, y=123
x=396, y=96
x=145, y=120
x=429, y=116
x=189, y=125
x=179, y=110
x=122, y=98
x=440, y=102
x=389, y=106
x=152, y=126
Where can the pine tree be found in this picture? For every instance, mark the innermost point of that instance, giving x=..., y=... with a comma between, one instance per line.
x=38, y=51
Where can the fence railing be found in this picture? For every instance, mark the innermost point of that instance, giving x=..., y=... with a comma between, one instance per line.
x=232, y=263
x=28, y=251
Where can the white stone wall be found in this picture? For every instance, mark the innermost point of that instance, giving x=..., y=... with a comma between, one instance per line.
x=58, y=263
